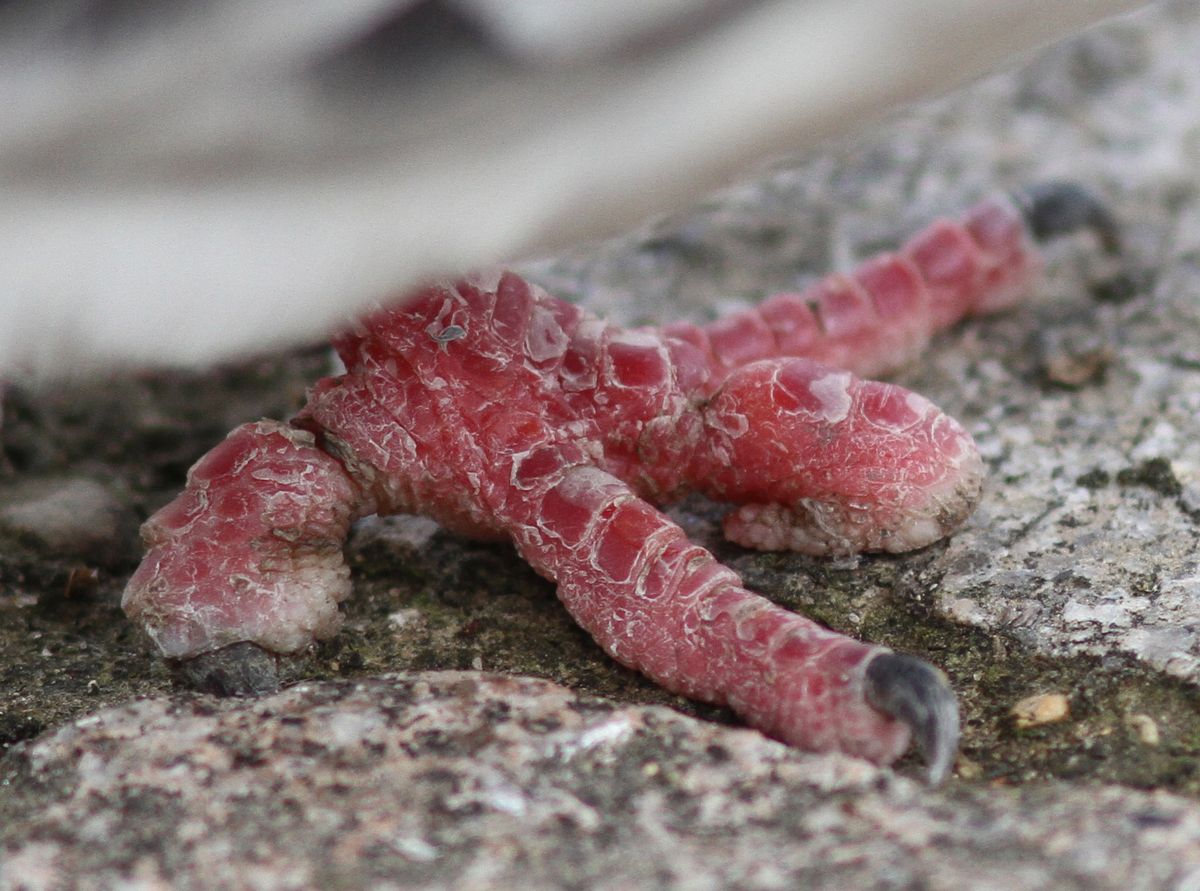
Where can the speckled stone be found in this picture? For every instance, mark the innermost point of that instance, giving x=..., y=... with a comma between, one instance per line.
x=1085, y=401
x=471, y=781
x=72, y=516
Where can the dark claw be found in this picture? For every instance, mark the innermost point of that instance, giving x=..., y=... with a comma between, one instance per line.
x=1060, y=208
x=240, y=669
x=914, y=692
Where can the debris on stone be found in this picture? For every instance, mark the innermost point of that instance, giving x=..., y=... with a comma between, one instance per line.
x=1042, y=708
x=1072, y=370
x=1146, y=729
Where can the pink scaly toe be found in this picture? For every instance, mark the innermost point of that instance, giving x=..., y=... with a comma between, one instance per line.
x=502, y=412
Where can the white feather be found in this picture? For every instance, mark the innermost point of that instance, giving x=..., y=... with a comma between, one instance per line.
x=197, y=180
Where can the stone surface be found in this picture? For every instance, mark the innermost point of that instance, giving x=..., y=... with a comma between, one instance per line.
x=1085, y=402
x=1076, y=576
x=472, y=781
x=76, y=517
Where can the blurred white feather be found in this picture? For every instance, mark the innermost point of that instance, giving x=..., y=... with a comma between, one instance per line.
x=181, y=181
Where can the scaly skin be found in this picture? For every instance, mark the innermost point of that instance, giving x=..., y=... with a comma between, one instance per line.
x=502, y=412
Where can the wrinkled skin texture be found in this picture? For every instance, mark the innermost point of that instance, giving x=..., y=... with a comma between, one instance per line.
x=505, y=413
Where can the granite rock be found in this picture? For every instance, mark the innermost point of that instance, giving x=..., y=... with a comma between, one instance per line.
x=472, y=781
x=1084, y=401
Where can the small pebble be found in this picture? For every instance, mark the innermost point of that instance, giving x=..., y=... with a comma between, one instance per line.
x=82, y=582
x=1044, y=708
x=405, y=618
x=966, y=769
x=1074, y=370
x=1145, y=727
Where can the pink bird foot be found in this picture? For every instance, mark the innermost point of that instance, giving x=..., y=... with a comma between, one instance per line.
x=504, y=413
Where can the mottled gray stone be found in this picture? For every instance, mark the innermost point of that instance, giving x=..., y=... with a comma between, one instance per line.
x=74, y=517
x=470, y=781
x=1066, y=565
x=1086, y=540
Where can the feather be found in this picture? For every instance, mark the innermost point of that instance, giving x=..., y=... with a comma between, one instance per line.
x=183, y=182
